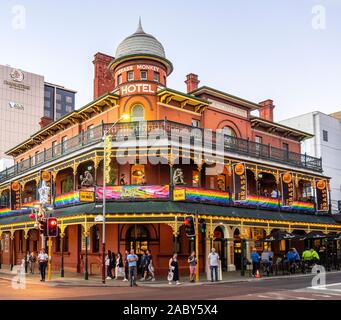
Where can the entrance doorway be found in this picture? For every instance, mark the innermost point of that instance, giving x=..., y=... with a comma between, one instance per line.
x=220, y=245
x=137, y=239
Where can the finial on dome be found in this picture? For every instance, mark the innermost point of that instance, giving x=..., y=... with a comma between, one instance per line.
x=139, y=28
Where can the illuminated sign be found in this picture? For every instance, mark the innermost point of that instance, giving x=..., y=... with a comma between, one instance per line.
x=137, y=88
x=86, y=196
x=179, y=195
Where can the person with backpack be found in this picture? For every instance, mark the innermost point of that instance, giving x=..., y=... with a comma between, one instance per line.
x=255, y=258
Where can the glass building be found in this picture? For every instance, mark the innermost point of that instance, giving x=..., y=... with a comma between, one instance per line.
x=58, y=101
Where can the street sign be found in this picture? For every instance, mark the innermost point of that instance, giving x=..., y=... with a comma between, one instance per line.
x=86, y=196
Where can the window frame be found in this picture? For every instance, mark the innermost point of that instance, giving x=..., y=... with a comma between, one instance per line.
x=133, y=76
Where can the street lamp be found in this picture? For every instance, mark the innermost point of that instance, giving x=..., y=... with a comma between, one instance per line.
x=107, y=152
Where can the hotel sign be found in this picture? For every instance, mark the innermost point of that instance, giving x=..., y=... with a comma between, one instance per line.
x=228, y=108
x=137, y=88
x=17, y=106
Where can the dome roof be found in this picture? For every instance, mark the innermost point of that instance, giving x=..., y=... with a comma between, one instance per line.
x=140, y=43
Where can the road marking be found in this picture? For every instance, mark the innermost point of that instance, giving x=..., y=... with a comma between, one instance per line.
x=264, y=297
x=303, y=298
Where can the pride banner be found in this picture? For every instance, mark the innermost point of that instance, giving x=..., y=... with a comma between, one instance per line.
x=259, y=201
x=206, y=195
x=67, y=199
x=301, y=207
x=5, y=212
x=134, y=192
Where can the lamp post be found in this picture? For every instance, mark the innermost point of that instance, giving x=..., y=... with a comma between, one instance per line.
x=107, y=152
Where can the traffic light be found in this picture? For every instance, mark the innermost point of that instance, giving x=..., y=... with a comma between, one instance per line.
x=189, y=227
x=43, y=227
x=203, y=226
x=52, y=227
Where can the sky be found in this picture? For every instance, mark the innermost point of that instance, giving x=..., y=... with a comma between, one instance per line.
x=288, y=51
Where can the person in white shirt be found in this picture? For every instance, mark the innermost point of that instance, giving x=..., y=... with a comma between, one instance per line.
x=43, y=259
x=213, y=260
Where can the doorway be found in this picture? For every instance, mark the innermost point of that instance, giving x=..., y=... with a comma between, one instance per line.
x=220, y=245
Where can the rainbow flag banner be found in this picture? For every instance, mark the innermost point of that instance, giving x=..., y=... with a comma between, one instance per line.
x=206, y=195
x=67, y=199
x=259, y=201
x=134, y=192
x=301, y=207
x=5, y=212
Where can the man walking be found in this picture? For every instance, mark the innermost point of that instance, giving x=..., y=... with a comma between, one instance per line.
x=213, y=260
x=43, y=260
x=132, y=263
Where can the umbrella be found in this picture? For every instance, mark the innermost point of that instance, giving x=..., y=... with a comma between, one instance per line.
x=315, y=235
x=280, y=235
x=335, y=237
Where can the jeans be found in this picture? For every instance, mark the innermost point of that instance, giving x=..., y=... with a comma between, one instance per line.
x=109, y=273
x=132, y=275
x=215, y=269
x=42, y=269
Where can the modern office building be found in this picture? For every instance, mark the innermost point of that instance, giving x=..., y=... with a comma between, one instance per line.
x=27, y=103
x=171, y=155
x=325, y=144
x=58, y=101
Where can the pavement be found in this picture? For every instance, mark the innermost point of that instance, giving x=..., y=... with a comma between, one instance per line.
x=76, y=280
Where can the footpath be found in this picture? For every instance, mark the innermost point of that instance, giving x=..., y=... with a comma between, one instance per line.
x=76, y=280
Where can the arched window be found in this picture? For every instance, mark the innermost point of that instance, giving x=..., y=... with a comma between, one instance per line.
x=138, y=238
x=137, y=113
x=229, y=132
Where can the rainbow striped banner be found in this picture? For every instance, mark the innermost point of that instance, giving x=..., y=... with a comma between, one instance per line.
x=259, y=201
x=206, y=195
x=67, y=199
x=5, y=212
x=301, y=207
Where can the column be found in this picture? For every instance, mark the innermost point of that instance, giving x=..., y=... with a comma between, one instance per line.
x=230, y=255
x=62, y=236
x=27, y=249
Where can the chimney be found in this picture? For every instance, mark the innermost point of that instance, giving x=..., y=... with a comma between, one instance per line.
x=192, y=82
x=103, y=79
x=44, y=122
x=266, y=110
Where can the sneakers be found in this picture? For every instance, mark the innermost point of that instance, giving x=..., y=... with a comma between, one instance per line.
x=153, y=279
x=142, y=279
x=170, y=282
x=125, y=280
x=108, y=278
x=178, y=282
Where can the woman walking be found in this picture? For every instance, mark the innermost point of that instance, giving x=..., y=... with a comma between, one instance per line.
x=174, y=268
x=192, y=260
x=119, y=266
x=108, y=264
x=32, y=260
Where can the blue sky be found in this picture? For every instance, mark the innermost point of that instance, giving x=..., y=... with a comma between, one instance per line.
x=253, y=49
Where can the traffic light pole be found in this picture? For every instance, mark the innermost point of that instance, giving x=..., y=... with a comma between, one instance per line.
x=197, y=248
x=49, y=269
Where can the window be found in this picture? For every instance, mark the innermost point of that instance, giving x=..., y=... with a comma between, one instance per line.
x=69, y=100
x=64, y=144
x=325, y=136
x=156, y=76
x=195, y=123
x=67, y=185
x=58, y=97
x=95, y=237
x=119, y=79
x=131, y=76
x=137, y=113
x=229, y=132
x=286, y=147
x=195, y=178
x=90, y=132
x=58, y=106
x=259, y=139
x=144, y=75
x=69, y=108
x=229, y=135
x=54, y=144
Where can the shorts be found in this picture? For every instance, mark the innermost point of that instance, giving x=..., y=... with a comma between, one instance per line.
x=192, y=269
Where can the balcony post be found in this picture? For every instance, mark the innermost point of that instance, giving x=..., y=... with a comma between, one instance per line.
x=171, y=182
x=44, y=154
x=269, y=150
x=30, y=162
x=305, y=159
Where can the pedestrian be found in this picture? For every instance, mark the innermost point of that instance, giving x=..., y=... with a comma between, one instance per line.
x=32, y=260
x=27, y=257
x=192, y=260
x=108, y=264
x=119, y=266
x=132, y=262
x=123, y=180
x=43, y=260
x=126, y=266
x=144, y=265
x=255, y=258
x=213, y=260
x=174, y=267
x=150, y=267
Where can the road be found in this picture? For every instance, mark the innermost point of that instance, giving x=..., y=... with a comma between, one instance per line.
x=274, y=289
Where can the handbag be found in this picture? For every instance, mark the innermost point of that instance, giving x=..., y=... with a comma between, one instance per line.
x=170, y=275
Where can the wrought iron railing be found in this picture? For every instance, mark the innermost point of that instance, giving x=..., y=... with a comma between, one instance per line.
x=171, y=130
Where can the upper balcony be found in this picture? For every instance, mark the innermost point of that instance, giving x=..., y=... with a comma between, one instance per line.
x=142, y=130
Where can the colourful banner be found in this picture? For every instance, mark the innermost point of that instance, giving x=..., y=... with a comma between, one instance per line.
x=205, y=195
x=7, y=212
x=322, y=195
x=16, y=195
x=259, y=201
x=134, y=192
x=67, y=199
x=303, y=206
x=240, y=182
